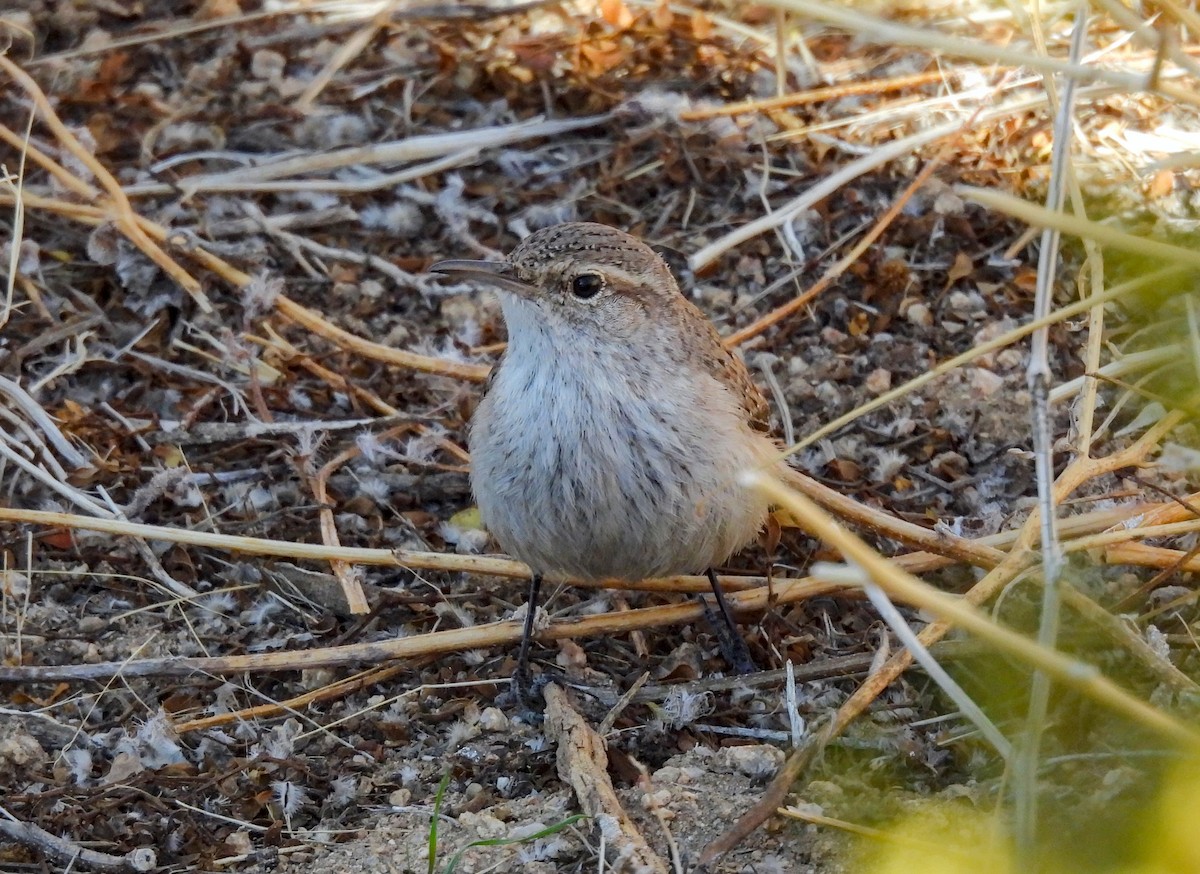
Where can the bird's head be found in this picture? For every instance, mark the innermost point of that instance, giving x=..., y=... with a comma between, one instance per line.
x=579, y=274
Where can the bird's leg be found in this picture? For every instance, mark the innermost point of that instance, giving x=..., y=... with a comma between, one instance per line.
x=733, y=645
x=522, y=680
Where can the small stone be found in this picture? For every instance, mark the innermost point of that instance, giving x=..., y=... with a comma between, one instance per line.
x=878, y=381
x=461, y=310
x=668, y=774
x=658, y=798
x=949, y=465
x=831, y=336
x=493, y=719
x=520, y=832
x=1010, y=359
x=829, y=394
x=20, y=749
x=91, y=624
x=752, y=269
x=824, y=789
x=948, y=203
x=959, y=302
x=240, y=842
x=920, y=315
x=267, y=64
x=984, y=383
x=757, y=762
x=715, y=299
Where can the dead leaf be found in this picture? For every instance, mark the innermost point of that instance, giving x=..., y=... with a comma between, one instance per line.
x=771, y=534
x=616, y=13
x=662, y=16
x=845, y=469
x=962, y=267
x=1162, y=184
x=601, y=56
x=58, y=538
x=1026, y=280
x=211, y=9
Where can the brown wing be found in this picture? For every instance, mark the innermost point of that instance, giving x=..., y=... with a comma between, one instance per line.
x=729, y=370
x=735, y=375
x=491, y=377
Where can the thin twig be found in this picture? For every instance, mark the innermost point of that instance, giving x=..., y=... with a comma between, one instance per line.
x=1039, y=378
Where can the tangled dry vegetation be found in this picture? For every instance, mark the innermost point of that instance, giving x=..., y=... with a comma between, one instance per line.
x=248, y=620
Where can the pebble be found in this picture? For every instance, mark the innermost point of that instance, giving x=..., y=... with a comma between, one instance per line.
x=984, y=383
x=920, y=315
x=520, y=832
x=878, y=381
x=756, y=761
x=961, y=303
x=1010, y=359
x=20, y=749
x=461, y=308
x=668, y=774
x=713, y=298
x=831, y=336
x=486, y=825
x=493, y=719
x=266, y=64
x=658, y=798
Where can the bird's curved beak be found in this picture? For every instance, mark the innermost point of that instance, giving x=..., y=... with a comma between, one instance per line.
x=498, y=274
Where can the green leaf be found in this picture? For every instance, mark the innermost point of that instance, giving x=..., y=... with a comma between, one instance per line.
x=433, y=820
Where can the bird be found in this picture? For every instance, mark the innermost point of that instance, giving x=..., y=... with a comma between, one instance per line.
x=610, y=436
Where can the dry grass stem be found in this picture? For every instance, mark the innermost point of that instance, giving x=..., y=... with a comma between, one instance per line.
x=1081, y=227
x=123, y=215
x=1068, y=671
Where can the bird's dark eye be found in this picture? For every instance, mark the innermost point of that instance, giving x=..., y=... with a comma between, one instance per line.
x=586, y=285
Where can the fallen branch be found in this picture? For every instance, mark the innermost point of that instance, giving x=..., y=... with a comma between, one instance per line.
x=583, y=765
x=141, y=859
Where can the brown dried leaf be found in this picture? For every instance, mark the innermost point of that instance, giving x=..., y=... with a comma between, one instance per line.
x=211, y=9
x=859, y=325
x=845, y=469
x=616, y=13
x=962, y=267
x=601, y=56
x=1026, y=279
x=662, y=17
x=1162, y=184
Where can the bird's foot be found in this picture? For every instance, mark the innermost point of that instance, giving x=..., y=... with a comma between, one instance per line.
x=733, y=646
x=525, y=693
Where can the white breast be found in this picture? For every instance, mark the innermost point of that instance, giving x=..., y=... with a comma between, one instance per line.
x=599, y=465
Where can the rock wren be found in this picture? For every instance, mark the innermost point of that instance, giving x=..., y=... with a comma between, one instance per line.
x=610, y=437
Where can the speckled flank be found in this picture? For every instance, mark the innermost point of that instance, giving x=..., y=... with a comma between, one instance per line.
x=610, y=438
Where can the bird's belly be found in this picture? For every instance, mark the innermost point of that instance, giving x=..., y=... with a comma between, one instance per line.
x=614, y=487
